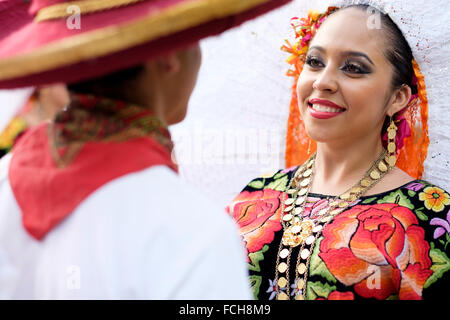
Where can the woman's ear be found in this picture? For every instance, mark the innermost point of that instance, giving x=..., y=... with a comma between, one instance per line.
x=399, y=100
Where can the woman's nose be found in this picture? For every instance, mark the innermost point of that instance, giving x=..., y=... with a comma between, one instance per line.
x=326, y=80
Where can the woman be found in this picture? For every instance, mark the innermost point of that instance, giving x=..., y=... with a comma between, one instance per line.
x=348, y=223
x=91, y=203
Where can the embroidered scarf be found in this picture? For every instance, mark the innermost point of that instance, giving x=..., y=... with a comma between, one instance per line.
x=55, y=166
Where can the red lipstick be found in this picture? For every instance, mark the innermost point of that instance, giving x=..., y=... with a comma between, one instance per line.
x=324, y=114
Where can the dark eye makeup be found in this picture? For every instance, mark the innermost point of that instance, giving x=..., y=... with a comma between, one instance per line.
x=352, y=67
x=313, y=61
x=355, y=67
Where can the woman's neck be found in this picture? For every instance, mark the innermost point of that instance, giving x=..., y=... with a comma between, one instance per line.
x=339, y=166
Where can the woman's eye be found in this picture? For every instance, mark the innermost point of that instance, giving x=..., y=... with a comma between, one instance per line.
x=353, y=68
x=349, y=67
x=313, y=62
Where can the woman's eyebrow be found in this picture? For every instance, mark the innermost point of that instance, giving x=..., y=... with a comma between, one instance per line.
x=358, y=54
x=345, y=53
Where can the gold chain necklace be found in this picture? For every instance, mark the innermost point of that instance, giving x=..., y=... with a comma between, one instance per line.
x=305, y=232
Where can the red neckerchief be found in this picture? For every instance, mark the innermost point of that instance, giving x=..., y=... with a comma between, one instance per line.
x=54, y=167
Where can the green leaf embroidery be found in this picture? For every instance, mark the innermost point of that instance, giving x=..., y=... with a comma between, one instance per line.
x=278, y=185
x=268, y=175
x=441, y=264
x=255, y=284
x=317, y=266
x=411, y=193
x=393, y=297
x=318, y=289
x=255, y=258
x=257, y=184
x=397, y=197
x=368, y=200
x=279, y=175
x=447, y=241
x=422, y=216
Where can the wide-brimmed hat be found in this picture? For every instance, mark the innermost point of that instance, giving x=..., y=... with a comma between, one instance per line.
x=47, y=41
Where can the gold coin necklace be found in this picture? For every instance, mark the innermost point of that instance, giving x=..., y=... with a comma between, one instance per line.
x=298, y=231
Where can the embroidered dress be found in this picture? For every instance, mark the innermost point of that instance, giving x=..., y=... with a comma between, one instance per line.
x=392, y=245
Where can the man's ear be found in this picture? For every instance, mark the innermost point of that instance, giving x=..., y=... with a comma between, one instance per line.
x=399, y=100
x=169, y=64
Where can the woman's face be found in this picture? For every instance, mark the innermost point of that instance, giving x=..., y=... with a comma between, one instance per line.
x=344, y=89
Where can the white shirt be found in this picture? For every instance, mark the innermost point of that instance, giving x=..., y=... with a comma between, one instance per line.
x=145, y=235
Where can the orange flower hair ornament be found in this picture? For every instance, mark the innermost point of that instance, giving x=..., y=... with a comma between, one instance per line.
x=412, y=137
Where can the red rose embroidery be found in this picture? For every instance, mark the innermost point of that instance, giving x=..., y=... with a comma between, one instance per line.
x=380, y=249
x=258, y=216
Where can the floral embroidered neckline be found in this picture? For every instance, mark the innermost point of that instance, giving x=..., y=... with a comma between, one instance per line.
x=408, y=185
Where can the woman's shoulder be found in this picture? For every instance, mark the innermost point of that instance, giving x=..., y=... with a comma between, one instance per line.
x=422, y=190
x=430, y=197
x=421, y=196
x=427, y=184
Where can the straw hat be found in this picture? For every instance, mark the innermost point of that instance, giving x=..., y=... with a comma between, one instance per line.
x=46, y=41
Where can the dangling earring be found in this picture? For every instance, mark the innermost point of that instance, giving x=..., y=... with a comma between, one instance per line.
x=391, y=147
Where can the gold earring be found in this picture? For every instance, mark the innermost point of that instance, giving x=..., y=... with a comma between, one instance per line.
x=391, y=146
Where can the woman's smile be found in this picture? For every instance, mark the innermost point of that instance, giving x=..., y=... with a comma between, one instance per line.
x=324, y=109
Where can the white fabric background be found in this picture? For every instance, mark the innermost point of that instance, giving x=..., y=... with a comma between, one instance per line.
x=242, y=88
